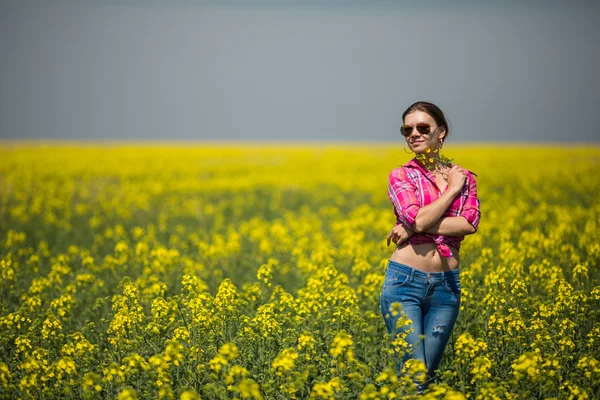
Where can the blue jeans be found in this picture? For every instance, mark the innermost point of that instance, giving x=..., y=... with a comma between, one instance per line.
x=432, y=301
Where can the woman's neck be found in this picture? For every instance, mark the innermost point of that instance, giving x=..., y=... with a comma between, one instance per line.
x=430, y=161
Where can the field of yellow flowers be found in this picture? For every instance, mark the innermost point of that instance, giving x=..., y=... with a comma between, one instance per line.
x=254, y=271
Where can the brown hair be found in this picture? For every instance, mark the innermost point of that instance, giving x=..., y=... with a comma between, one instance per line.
x=431, y=109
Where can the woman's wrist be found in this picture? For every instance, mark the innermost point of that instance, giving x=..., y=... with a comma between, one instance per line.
x=453, y=191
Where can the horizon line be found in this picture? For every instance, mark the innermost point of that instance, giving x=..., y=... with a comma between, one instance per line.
x=281, y=142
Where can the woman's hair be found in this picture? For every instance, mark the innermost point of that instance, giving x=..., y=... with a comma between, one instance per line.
x=432, y=110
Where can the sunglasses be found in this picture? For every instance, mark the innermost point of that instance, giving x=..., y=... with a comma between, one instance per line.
x=422, y=127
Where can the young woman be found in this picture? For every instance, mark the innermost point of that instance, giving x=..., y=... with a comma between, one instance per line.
x=436, y=205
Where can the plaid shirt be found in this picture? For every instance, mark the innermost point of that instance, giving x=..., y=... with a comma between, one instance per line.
x=411, y=187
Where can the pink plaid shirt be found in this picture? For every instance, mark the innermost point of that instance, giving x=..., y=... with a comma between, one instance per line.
x=411, y=187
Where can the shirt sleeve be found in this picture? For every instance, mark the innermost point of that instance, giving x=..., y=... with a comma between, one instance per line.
x=471, y=208
x=403, y=195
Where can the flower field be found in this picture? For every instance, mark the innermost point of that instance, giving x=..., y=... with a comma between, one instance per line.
x=254, y=271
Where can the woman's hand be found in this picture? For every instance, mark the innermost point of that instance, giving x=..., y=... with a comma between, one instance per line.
x=456, y=179
x=399, y=234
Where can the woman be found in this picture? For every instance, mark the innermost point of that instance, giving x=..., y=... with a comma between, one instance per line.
x=436, y=205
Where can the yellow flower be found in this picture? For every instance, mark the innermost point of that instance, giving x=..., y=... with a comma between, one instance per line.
x=248, y=388
x=189, y=395
x=284, y=361
x=526, y=366
x=340, y=341
x=128, y=394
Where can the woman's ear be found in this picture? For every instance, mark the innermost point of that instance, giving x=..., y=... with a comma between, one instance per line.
x=442, y=135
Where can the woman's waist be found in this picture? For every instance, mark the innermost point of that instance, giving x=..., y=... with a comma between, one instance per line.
x=426, y=256
x=429, y=245
x=441, y=274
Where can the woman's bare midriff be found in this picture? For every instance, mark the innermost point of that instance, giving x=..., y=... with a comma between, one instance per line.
x=425, y=257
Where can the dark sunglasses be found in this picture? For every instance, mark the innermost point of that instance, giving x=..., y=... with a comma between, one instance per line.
x=422, y=127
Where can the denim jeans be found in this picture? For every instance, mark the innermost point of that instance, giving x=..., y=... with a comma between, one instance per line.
x=432, y=301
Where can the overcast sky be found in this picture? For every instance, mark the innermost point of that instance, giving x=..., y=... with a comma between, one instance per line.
x=305, y=70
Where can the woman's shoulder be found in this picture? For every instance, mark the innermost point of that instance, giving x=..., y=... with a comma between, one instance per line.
x=403, y=170
x=400, y=172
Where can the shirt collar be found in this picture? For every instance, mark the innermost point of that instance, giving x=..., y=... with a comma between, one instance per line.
x=414, y=163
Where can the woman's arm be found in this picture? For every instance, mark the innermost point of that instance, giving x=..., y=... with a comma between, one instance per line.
x=447, y=226
x=452, y=226
x=471, y=210
x=467, y=222
x=430, y=214
x=402, y=193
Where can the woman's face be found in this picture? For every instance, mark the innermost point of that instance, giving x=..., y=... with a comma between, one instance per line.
x=419, y=142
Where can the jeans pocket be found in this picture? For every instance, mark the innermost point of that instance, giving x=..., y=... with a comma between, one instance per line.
x=452, y=284
x=395, y=279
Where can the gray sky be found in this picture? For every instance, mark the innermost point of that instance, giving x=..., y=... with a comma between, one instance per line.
x=305, y=70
